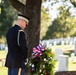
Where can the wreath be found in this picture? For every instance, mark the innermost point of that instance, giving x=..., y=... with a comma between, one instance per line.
x=42, y=61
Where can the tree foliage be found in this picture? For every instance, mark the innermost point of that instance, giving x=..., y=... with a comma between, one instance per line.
x=8, y=14
x=45, y=22
x=73, y=2
x=62, y=26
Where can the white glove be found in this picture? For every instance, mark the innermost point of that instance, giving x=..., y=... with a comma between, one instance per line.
x=26, y=61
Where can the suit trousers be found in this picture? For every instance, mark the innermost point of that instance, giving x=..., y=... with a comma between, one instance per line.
x=16, y=71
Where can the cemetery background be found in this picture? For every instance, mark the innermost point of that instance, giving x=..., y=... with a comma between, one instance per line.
x=67, y=48
x=59, y=47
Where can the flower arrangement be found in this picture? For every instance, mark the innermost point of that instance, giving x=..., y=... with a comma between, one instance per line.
x=42, y=61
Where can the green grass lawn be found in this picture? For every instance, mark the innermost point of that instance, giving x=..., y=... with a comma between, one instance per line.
x=71, y=65
x=3, y=70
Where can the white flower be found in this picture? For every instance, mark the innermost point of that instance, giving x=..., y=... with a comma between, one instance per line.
x=43, y=66
x=33, y=65
x=45, y=59
x=40, y=70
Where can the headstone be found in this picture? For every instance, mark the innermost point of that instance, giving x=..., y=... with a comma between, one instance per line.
x=75, y=47
x=3, y=62
x=48, y=45
x=6, y=49
x=2, y=46
x=70, y=44
x=72, y=57
x=66, y=41
x=62, y=43
x=63, y=63
x=57, y=53
x=54, y=43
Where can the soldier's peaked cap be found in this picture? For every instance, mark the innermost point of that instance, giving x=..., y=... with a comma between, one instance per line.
x=23, y=17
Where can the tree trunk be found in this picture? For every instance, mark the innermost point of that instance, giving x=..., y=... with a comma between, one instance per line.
x=33, y=10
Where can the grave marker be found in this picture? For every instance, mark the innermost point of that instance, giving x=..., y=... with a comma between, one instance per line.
x=57, y=53
x=75, y=47
x=63, y=63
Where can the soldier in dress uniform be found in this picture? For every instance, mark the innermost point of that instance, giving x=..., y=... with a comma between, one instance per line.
x=17, y=47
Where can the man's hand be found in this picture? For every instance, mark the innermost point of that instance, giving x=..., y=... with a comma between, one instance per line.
x=26, y=62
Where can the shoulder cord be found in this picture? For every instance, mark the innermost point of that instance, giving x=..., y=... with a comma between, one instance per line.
x=18, y=38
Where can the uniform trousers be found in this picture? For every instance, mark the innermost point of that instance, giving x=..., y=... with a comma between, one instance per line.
x=16, y=71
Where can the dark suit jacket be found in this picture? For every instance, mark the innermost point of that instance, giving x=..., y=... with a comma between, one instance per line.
x=17, y=54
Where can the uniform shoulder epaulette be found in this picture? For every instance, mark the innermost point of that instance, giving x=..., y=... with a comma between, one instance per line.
x=21, y=31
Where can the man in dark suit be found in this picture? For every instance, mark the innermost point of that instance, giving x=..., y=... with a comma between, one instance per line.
x=17, y=47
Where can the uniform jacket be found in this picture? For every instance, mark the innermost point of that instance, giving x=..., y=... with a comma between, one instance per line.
x=17, y=48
